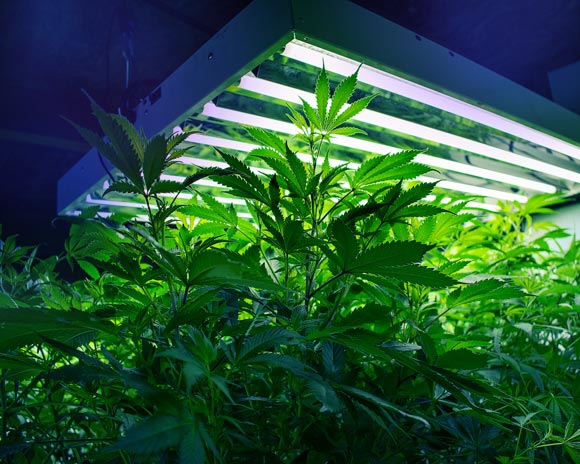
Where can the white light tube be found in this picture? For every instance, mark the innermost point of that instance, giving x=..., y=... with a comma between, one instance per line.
x=315, y=56
x=129, y=204
x=211, y=110
x=480, y=191
x=293, y=95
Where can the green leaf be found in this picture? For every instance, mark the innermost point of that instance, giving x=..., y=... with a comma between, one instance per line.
x=419, y=275
x=369, y=314
x=19, y=367
x=353, y=109
x=154, y=159
x=322, y=92
x=382, y=168
x=348, y=131
x=311, y=114
x=282, y=361
x=192, y=310
x=268, y=139
x=323, y=393
x=488, y=289
x=414, y=194
x=89, y=268
x=340, y=97
x=345, y=243
x=265, y=339
x=388, y=255
x=155, y=434
x=122, y=186
x=248, y=183
x=83, y=374
x=125, y=142
x=417, y=211
x=213, y=172
x=175, y=139
x=191, y=450
x=298, y=169
x=282, y=168
x=463, y=359
x=166, y=186
x=26, y=326
x=383, y=404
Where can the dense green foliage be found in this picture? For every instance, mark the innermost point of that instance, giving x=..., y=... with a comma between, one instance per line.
x=347, y=321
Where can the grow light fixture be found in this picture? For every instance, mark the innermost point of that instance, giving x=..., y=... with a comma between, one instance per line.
x=483, y=135
x=291, y=95
x=315, y=56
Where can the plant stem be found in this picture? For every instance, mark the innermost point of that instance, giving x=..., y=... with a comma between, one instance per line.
x=4, y=412
x=329, y=281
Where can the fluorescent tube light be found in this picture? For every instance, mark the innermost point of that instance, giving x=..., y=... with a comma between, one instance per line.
x=315, y=56
x=480, y=191
x=293, y=95
x=129, y=204
x=211, y=110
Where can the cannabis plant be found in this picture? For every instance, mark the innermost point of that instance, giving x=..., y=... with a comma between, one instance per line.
x=338, y=323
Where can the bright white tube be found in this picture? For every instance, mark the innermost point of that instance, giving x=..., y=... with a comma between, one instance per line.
x=292, y=95
x=315, y=56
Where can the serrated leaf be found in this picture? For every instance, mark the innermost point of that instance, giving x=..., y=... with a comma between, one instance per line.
x=348, y=131
x=345, y=243
x=380, y=168
x=332, y=177
x=297, y=119
x=408, y=171
x=311, y=114
x=26, y=326
x=266, y=339
x=298, y=170
x=282, y=168
x=419, y=275
x=132, y=135
x=369, y=314
x=488, y=289
x=165, y=186
x=89, y=268
x=414, y=194
x=19, y=367
x=214, y=172
x=175, y=139
x=463, y=359
x=323, y=393
x=352, y=110
x=122, y=186
x=191, y=450
x=268, y=139
x=388, y=255
x=121, y=135
x=333, y=359
x=340, y=97
x=251, y=185
x=322, y=92
x=283, y=361
x=155, y=434
x=154, y=159
x=383, y=404
x=417, y=211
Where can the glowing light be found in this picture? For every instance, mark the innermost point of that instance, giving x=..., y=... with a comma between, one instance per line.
x=341, y=65
x=210, y=109
x=292, y=95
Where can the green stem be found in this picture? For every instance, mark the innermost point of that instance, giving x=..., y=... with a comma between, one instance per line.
x=4, y=412
x=328, y=282
x=336, y=205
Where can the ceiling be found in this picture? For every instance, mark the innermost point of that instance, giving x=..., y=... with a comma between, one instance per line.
x=51, y=50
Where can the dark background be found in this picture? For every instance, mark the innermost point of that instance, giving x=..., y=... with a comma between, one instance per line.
x=50, y=49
